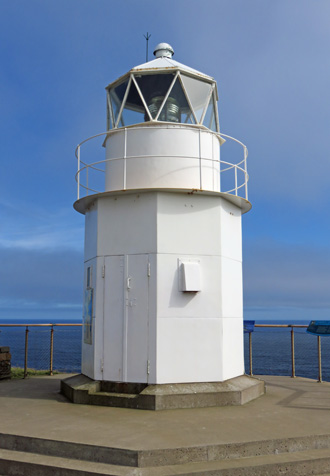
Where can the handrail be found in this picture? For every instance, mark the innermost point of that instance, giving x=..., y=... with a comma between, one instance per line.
x=281, y=325
x=26, y=345
x=287, y=329
x=38, y=325
x=293, y=364
x=241, y=166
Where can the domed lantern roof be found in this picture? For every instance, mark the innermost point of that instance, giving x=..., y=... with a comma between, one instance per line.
x=163, y=90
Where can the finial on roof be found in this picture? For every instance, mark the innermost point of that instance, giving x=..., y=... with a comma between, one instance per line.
x=163, y=49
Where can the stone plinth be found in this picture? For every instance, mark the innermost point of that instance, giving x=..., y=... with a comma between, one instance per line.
x=236, y=391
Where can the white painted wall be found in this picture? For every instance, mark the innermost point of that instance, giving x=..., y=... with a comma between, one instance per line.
x=92, y=354
x=186, y=337
x=127, y=224
x=162, y=156
x=189, y=350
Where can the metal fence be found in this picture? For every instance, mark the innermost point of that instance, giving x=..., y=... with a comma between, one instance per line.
x=43, y=346
x=286, y=349
x=283, y=349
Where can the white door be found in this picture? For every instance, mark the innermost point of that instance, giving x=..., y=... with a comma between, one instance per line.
x=114, y=312
x=137, y=318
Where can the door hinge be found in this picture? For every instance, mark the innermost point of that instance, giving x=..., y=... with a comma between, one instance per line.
x=148, y=367
x=103, y=271
x=149, y=270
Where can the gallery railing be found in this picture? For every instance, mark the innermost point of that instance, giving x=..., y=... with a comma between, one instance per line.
x=90, y=176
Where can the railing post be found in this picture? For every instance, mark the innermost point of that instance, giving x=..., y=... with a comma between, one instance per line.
x=320, y=358
x=235, y=180
x=245, y=173
x=87, y=167
x=293, y=366
x=78, y=175
x=51, y=350
x=250, y=352
x=26, y=351
x=200, y=162
x=125, y=161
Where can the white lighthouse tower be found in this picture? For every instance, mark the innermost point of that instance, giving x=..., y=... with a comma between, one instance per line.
x=163, y=309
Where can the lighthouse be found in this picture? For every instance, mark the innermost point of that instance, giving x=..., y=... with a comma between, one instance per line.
x=163, y=300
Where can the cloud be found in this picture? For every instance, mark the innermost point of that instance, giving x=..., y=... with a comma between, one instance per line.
x=30, y=226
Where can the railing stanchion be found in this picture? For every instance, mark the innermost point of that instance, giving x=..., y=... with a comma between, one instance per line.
x=26, y=351
x=125, y=161
x=236, y=181
x=78, y=175
x=320, y=358
x=245, y=172
x=51, y=351
x=293, y=365
x=87, y=180
x=200, y=162
x=250, y=352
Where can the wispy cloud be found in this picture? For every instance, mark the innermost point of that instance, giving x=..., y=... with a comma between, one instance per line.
x=29, y=227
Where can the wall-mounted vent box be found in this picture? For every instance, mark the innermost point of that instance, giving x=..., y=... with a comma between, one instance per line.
x=190, y=276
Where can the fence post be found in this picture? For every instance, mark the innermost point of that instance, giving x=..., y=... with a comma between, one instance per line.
x=293, y=367
x=26, y=351
x=320, y=358
x=250, y=352
x=51, y=350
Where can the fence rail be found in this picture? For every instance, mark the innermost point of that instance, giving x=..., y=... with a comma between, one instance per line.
x=277, y=349
x=307, y=351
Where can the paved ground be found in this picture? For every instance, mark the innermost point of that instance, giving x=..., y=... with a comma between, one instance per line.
x=290, y=408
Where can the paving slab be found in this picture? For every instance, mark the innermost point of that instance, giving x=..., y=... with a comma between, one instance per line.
x=290, y=408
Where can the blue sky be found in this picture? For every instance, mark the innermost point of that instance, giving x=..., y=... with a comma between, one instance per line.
x=272, y=64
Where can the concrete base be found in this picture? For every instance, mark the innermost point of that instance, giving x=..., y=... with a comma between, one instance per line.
x=285, y=433
x=236, y=391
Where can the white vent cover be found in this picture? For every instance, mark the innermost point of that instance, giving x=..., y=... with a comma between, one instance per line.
x=190, y=276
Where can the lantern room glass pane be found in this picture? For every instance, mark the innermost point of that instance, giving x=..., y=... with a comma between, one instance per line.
x=154, y=88
x=134, y=111
x=198, y=92
x=116, y=96
x=176, y=108
x=210, y=118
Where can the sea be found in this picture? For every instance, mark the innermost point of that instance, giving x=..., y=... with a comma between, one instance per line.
x=271, y=348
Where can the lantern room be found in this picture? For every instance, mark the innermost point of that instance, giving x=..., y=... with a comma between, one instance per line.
x=163, y=90
x=163, y=128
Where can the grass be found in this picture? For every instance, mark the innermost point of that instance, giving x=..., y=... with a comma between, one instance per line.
x=18, y=372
